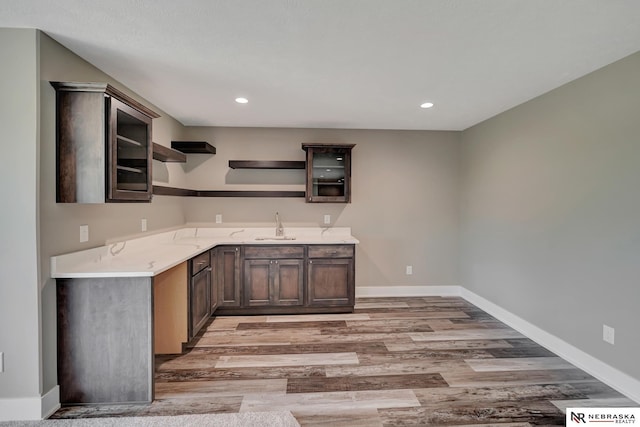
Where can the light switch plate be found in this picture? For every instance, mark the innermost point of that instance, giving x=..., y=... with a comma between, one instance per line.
x=409, y=270
x=143, y=224
x=218, y=218
x=327, y=219
x=84, y=233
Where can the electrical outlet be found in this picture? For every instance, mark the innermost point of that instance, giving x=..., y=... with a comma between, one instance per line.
x=327, y=219
x=608, y=334
x=84, y=233
x=409, y=270
x=218, y=218
x=1, y=361
x=143, y=224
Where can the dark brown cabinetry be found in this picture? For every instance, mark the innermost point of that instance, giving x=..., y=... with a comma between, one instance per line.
x=273, y=275
x=328, y=173
x=214, y=294
x=228, y=275
x=331, y=271
x=281, y=279
x=199, y=292
x=104, y=148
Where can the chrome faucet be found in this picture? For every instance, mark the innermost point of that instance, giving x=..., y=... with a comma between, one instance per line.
x=279, y=228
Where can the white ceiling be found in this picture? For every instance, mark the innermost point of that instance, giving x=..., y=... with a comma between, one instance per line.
x=364, y=64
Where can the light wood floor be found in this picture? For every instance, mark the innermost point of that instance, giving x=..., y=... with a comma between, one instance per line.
x=395, y=361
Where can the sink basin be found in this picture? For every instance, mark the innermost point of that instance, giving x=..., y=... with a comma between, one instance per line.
x=276, y=238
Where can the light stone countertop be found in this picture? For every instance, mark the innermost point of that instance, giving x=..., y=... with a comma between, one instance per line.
x=151, y=255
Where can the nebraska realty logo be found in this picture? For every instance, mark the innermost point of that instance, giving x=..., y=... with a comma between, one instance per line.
x=578, y=416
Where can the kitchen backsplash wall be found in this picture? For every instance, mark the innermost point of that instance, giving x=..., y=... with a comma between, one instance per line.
x=404, y=206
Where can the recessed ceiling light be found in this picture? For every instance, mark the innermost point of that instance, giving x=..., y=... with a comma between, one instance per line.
x=242, y=100
x=426, y=105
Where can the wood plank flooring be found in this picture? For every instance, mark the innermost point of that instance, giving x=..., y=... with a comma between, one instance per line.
x=395, y=361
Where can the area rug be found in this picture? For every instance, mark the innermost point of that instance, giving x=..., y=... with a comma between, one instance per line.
x=267, y=419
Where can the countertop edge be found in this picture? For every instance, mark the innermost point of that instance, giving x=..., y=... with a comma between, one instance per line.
x=83, y=264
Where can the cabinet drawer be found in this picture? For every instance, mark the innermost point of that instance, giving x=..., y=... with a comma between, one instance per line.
x=331, y=251
x=198, y=263
x=274, y=252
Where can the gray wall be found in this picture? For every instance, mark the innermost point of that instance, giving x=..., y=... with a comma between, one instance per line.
x=404, y=206
x=19, y=291
x=551, y=209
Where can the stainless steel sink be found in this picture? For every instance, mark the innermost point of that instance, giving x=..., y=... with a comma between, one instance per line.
x=275, y=238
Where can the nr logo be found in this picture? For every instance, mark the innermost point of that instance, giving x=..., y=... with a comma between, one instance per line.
x=577, y=417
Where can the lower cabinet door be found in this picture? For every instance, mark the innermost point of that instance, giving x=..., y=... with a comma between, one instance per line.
x=199, y=301
x=288, y=283
x=273, y=282
x=214, y=294
x=330, y=282
x=257, y=280
x=228, y=275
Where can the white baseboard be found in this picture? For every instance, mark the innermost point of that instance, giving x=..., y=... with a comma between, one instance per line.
x=30, y=408
x=609, y=375
x=406, y=291
x=50, y=402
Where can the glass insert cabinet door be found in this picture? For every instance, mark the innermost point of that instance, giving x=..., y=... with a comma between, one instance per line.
x=328, y=173
x=130, y=153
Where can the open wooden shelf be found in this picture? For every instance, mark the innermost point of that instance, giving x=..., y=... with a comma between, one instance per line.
x=267, y=164
x=200, y=147
x=250, y=193
x=161, y=190
x=166, y=154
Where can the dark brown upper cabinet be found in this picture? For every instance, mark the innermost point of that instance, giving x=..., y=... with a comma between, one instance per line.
x=103, y=140
x=328, y=173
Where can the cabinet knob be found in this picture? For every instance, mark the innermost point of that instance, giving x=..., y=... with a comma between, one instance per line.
x=310, y=262
x=276, y=262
